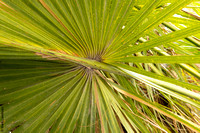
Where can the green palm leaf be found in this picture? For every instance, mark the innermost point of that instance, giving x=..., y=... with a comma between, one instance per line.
x=99, y=66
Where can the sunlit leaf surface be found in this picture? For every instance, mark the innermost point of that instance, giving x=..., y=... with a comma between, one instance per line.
x=91, y=66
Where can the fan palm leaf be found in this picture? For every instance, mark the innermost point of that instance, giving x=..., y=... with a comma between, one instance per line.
x=99, y=66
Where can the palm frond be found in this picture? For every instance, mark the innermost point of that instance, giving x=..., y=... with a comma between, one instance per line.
x=99, y=66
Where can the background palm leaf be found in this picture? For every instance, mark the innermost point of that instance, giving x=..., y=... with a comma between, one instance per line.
x=99, y=66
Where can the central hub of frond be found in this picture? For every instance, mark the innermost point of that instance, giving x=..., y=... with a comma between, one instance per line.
x=97, y=58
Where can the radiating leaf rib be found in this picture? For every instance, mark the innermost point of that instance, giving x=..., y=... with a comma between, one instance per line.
x=163, y=39
x=46, y=30
x=85, y=24
x=34, y=30
x=133, y=113
x=121, y=12
x=171, y=91
x=103, y=127
x=67, y=108
x=55, y=12
x=26, y=109
x=21, y=76
x=157, y=107
x=108, y=111
x=169, y=11
x=75, y=117
x=13, y=95
x=44, y=51
x=52, y=119
x=159, y=77
x=125, y=120
x=136, y=21
x=59, y=69
x=134, y=121
x=168, y=88
x=46, y=108
x=184, y=66
x=174, y=28
x=83, y=122
x=10, y=87
x=75, y=59
x=152, y=22
x=161, y=59
x=73, y=122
